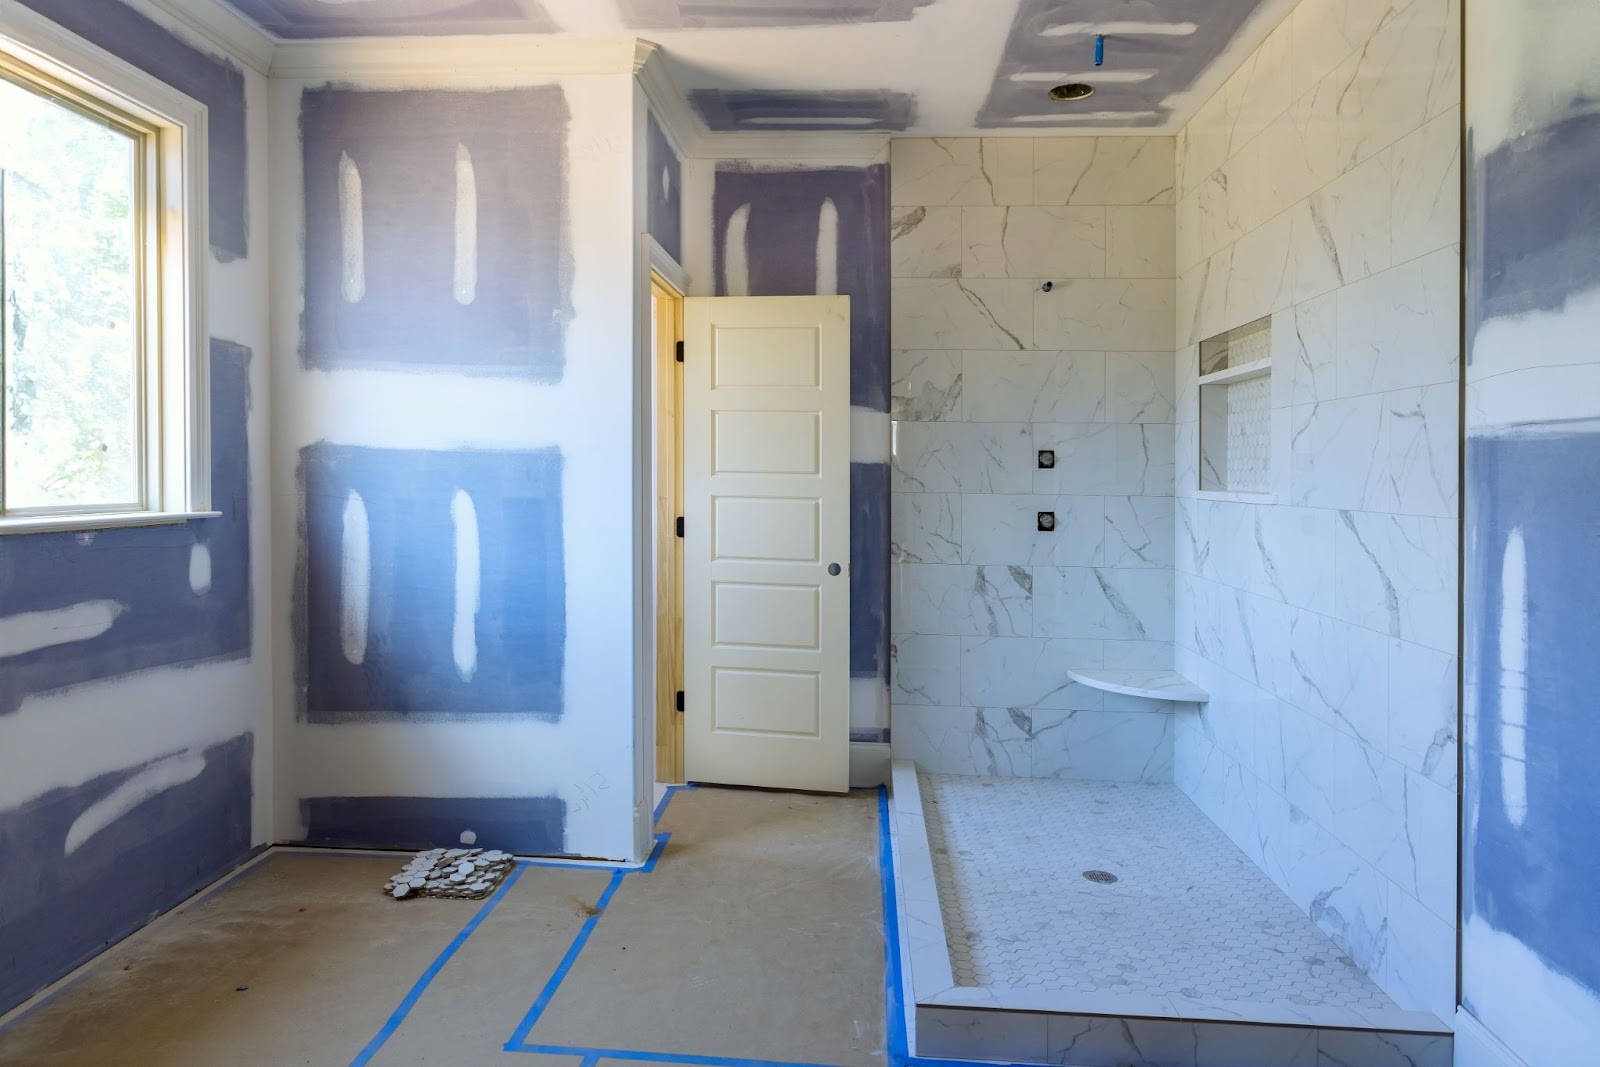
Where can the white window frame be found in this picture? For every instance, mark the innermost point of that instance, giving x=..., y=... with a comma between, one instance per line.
x=174, y=393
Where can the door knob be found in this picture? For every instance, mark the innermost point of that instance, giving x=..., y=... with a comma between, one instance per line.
x=833, y=568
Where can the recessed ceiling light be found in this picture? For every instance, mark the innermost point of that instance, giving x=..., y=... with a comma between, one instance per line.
x=1072, y=91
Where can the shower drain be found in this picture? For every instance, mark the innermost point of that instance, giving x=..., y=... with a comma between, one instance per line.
x=1100, y=877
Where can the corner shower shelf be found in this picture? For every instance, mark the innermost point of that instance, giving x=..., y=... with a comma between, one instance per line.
x=1152, y=684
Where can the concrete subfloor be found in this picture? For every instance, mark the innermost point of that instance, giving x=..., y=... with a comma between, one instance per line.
x=756, y=936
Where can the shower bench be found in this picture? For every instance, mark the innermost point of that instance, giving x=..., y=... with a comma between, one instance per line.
x=1153, y=684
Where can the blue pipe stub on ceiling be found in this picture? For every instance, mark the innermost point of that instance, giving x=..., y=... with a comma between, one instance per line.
x=730, y=110
x=1053, y=41
x=394, y=18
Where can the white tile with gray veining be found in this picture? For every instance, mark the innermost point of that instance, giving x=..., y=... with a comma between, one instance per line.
x=925, y=528
x=962, y=600
x=939, y=457
x=1034, y=386
x=925, y=242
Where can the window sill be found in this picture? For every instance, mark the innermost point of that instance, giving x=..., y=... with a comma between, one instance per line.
x=108, y=521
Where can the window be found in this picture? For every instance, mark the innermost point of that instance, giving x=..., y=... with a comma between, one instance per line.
x=103, y=419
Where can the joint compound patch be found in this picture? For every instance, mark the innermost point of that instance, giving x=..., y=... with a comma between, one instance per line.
x=456, y=873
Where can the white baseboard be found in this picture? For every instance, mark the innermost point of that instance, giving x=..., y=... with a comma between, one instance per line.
x=1476, y=1046
x=869, y=764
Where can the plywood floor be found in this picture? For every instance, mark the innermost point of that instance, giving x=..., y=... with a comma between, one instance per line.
x=757, y=935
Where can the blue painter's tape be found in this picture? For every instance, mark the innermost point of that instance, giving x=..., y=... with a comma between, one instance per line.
x=894, y=1020
x=520, y=1035
x=657, y=1057
x=422, y=983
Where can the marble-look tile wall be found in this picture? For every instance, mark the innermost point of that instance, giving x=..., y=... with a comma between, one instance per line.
x=1319, y=185
x=988, y=612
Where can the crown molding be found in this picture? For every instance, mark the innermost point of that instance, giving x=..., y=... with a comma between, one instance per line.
x=220, y=26
x=512, y=57
x=671, y=108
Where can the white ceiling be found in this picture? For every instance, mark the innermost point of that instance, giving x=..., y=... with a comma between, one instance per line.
x=929, y=67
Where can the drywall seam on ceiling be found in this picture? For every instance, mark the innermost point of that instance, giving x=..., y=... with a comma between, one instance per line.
x=513, y=59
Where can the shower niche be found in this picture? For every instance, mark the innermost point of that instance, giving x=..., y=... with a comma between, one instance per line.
x=1236, y=410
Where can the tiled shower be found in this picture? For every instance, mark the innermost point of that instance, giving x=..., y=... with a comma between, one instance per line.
x=1069, y=491
x=1033, y=399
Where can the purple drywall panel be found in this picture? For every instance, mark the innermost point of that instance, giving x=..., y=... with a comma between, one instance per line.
x=1035, y=46
x=729, y=14
x=161, y=618
x=405, y=652
x=384, y=183
x=215, y=82
x=730, y=110
x=83, y=866
x=665, y=175
x=394, y=18
x=785, y=209
x=527, y=826
x=782, y=211
x=1530, y=868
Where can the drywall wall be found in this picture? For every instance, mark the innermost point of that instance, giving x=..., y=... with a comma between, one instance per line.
x=1319, y=186
x=1530, y=958
x=791, y=229
x=989, y=369
x=663, y=180
x=454, y=360
x=134, y=761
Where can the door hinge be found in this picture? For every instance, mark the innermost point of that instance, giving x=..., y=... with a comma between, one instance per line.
x=680, y=525
x=680, y=351
x=679, y=700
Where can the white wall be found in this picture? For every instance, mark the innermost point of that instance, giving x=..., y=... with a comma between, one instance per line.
x=586, y=757
x=988, y=613
x=1319, y=186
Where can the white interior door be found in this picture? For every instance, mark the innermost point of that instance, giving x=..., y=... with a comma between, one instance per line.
x=766, y=497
